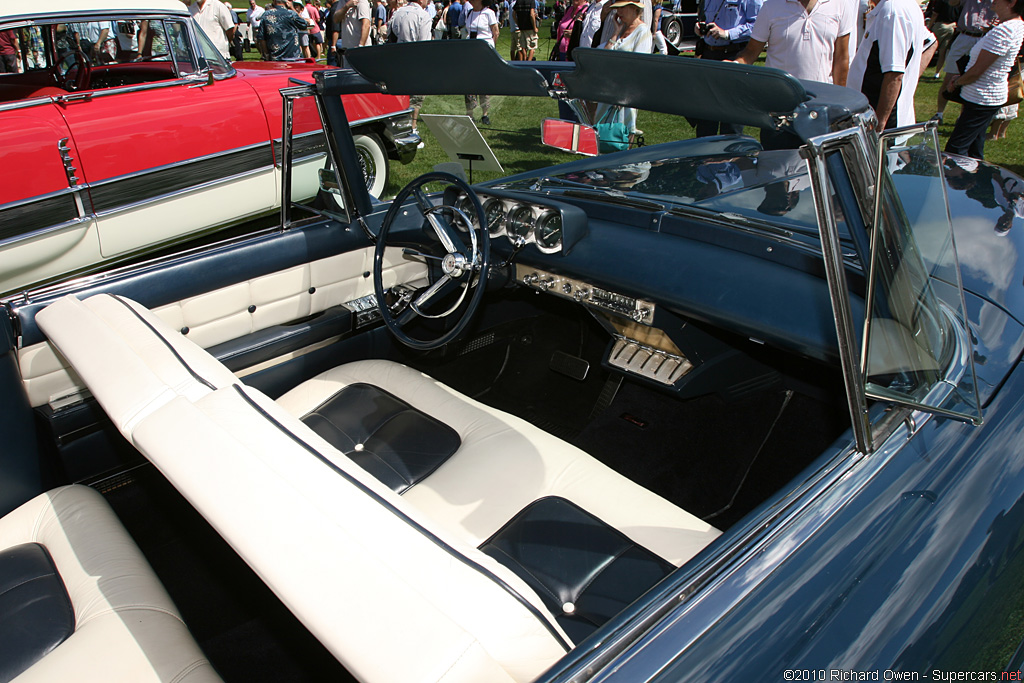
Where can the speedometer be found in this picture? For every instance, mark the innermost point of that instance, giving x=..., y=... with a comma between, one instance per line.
x=465, y=205
x=520, y=222
x=495, y=212
x=549, y=231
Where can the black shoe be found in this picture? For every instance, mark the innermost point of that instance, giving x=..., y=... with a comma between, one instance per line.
x=485, y=119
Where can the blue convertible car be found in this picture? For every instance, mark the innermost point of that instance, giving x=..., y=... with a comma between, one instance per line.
x=711, y=410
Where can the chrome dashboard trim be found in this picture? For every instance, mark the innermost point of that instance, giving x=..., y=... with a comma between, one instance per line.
x=511, y=206
x=637, y=310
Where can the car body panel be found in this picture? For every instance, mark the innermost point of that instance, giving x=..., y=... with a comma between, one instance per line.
x=893, y=577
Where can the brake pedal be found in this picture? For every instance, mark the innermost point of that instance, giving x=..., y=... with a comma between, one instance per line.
x=570, y=366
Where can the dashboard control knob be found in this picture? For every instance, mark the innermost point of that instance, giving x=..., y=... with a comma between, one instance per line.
x=530, y=279
x=545, y=283
x=581, y=294
x=639, y=314
x=567, y=288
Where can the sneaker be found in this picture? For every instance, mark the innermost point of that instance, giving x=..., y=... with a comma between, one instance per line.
x=485, y=119
x=937, y=116
x=421, y=145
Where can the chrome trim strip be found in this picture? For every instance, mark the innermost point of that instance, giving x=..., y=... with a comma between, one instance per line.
x=183, y=192
x=839, y=290
x=352, y=124
x=89, y=15
x=74, y=222
x=177, y=164
x=285, y=357
x=119, y=90
x=113, y=194
x=28, y=103
x=40, y=197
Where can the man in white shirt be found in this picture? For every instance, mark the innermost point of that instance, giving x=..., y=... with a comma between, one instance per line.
x=217, y=23
x=806, y=38
x=354, y=18
x=888, y=61
x=412, y=23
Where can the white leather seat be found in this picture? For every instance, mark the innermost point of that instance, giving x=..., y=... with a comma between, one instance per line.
x=504, y=463
x=419, y=534
x=125, y=626
x=154, y=363
x=390, y=594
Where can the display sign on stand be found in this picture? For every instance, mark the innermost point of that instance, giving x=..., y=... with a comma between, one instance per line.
x=462, y=142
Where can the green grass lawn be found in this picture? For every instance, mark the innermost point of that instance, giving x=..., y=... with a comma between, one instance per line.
x=514, y=133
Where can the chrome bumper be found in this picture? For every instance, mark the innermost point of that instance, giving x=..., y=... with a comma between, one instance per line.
x=405, y=145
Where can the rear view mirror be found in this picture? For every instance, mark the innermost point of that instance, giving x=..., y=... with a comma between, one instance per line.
x=569, y=136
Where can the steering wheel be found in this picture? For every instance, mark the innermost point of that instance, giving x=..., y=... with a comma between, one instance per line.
x=76, y=73
x=463, y=265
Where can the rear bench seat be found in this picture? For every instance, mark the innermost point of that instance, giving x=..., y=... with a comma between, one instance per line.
x=78, y=601
x=418, y=534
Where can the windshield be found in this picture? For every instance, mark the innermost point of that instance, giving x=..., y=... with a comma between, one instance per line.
x=916, y=305
x=762, y=185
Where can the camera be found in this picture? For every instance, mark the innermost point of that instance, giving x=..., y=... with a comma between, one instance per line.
x=701, y=28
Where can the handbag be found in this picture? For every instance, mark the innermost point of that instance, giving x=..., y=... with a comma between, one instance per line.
x=954, y=95
x=612, y=133
x=1015, y=89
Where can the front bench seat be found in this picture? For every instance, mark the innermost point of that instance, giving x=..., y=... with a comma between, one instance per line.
x=588, y=540
x=79, y=602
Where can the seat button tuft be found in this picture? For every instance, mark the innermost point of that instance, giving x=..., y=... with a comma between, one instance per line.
x=359, y=447
x=252, y=309
x=184, y=330
x=568, y=608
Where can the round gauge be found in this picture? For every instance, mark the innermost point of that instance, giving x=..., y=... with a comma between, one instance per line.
x=465, y=205
x=495, y=212
x=549, y=231
x=520, y=222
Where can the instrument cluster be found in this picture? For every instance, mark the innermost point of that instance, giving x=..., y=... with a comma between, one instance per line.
x=521, y=222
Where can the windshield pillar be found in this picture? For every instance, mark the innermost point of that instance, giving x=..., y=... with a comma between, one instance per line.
x=816, y=154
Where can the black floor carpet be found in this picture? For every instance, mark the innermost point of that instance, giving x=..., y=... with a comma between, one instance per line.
x=715, y=459
x=509, y=367
x=241, y=626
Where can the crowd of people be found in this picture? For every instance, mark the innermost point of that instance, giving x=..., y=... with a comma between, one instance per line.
x=879, y=47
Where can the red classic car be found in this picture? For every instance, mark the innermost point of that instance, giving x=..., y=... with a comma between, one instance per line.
x=123, y=128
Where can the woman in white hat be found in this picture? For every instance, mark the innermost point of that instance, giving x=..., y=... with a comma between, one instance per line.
x=631, y=34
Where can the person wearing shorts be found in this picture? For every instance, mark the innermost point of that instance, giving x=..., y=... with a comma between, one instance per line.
x=524, y=37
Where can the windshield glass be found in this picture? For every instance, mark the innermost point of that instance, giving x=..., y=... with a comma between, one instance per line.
x=745, y=181
x=916, y=309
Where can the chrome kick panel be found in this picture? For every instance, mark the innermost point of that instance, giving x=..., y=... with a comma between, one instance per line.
x=637, y=310
x=648, y=362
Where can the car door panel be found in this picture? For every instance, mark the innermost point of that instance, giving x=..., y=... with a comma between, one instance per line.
x=240, y=316
x=166, y=174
